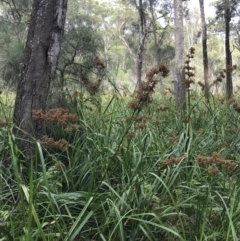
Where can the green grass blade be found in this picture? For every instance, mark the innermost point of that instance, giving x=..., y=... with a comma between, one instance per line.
x=78, y=224
x=34, y=213
x=234, y=235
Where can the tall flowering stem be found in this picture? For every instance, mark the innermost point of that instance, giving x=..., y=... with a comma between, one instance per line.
x=144, y=95
x=189, y=79
x=146, y=88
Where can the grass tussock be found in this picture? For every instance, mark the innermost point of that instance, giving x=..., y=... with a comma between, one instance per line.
x=108, y=172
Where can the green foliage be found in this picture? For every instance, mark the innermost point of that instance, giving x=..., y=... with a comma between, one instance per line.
x=13, y=21
x=126, y=175
x=82, y=43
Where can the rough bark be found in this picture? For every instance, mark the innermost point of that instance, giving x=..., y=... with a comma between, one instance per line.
x=39, y=64
x=204, y=49
x=229, y=85
x=179, y=89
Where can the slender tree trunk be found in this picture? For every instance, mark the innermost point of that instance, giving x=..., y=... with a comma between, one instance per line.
x=204, y=49
x=39, y=64
x=139, y=60
x=180, y=91
x=141, y=42
x=156, y=57
x=229, y=85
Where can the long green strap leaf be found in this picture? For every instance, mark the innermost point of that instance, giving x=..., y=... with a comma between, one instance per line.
x=78, y=224
x=34, y=213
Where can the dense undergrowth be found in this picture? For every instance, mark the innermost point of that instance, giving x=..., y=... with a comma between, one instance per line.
x=105, y=171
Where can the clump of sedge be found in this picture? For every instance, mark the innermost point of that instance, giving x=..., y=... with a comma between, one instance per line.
x=214, y=162
x=59, y=115
x=171, y=161
x=50, y=143
x=62, y=117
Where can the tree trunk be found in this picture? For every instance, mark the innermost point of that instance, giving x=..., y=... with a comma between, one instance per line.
x=204, y=49
x=39, y=65
x=141, y=42
x=180, y=91
x=229, y=85
x=156, y=54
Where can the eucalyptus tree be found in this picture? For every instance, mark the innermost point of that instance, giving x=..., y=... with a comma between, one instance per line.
x=45, y=33
x=226, y=10
x=140, y=27
x=227, y=16
x=180, y=91
x=160, y=28
x=141, y=8
x=204, y=49
x=144, y=31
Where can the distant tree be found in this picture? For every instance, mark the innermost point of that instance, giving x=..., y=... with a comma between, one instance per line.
x=141, y=28
x=227, y=10
x=228, y=54
x=143, y=36
x=204, y=49
x=160, y=18
x=42, y=49
x=180, y=91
